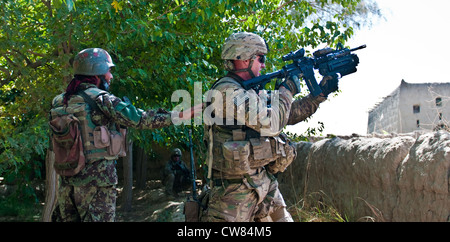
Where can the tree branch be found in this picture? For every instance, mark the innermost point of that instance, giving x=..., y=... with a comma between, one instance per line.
x=171, y=10
x=49, y=6
x=282, y=6
x=31, y=64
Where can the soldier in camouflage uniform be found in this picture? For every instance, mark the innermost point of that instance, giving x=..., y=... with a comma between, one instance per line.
x=176, y=175
x=90, y=195
x=243, y=135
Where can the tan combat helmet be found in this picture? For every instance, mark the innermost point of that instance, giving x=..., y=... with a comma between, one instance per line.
x=243, y=46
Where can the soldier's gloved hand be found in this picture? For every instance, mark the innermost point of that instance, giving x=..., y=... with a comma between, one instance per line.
x=292, y=83
x=329, y=84
x=126, y=100
x=322, y=52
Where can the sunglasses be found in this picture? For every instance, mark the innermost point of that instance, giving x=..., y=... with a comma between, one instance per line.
x=262, y=59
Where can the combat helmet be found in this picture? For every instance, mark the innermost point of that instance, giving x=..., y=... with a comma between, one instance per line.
x=243, y=46
x=176, y=152
x=92, y=62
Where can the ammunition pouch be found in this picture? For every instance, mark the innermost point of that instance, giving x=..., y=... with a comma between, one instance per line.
x=235, y=158
x=283, y=161
x=237, y=152
x=114, y=141
x=262, y=151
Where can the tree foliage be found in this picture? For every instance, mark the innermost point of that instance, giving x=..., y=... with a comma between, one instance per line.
x=157, y=46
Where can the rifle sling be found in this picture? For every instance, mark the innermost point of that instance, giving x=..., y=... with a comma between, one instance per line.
x=89, y=101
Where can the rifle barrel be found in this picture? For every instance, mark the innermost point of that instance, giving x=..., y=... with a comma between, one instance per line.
x=358, y=48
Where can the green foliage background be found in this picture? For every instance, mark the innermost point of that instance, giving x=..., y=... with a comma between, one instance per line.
x=157, y=46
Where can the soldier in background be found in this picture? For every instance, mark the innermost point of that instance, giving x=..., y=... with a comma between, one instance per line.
x=176, y=175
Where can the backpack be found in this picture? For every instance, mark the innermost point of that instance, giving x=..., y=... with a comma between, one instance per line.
x=67, y=145
x=75, y=142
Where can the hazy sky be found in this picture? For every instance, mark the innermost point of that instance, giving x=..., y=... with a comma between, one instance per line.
x=410, y=43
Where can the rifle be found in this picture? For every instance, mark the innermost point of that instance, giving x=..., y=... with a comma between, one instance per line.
x=194, y=186
x=340, y=62
x=192, y=207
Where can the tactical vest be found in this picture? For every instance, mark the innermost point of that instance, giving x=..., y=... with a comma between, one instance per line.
x=236, y=150
x=99, y=142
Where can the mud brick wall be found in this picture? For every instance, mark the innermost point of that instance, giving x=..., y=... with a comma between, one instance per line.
x=388, y=178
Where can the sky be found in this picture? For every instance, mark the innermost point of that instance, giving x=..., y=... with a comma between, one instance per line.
x=410, y=42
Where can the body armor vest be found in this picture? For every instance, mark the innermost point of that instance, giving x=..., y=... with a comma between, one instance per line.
x=97, y=140
x=237, y=149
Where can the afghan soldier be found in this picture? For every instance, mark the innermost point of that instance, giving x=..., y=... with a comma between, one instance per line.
x=90, y=195
x=176, y=175
x=245, y=144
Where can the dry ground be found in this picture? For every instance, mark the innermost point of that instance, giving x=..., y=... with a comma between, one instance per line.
x=151, y=204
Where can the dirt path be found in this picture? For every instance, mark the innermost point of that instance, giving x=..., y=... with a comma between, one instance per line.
x=151, y=204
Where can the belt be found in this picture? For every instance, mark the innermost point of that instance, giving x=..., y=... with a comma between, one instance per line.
x=226, y=182
x=249, y=133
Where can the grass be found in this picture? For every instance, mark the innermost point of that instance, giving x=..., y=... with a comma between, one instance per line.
x=315, y=210
x=318, y=207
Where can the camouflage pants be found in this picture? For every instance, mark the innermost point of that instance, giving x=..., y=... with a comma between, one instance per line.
x=257, y=198
x=175, y=183
x=86, y=204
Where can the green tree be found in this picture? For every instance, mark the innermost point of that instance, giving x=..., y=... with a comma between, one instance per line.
x=157, y=46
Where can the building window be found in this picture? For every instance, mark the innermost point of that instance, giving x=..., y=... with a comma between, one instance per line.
x=438, y=102
x=416, y=109
x=418, y=123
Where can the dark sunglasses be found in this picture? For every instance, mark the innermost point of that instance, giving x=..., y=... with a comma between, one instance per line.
x=262, y=59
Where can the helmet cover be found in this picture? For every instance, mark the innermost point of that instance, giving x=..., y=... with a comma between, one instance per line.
x=243, y=46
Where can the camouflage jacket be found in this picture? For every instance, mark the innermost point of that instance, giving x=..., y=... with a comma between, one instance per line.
x=233, y=105
x=253, y=114
x=238, y=115
x=113, y=111
x=303, y=108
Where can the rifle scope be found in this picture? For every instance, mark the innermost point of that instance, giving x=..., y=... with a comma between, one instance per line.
x=294, y=55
